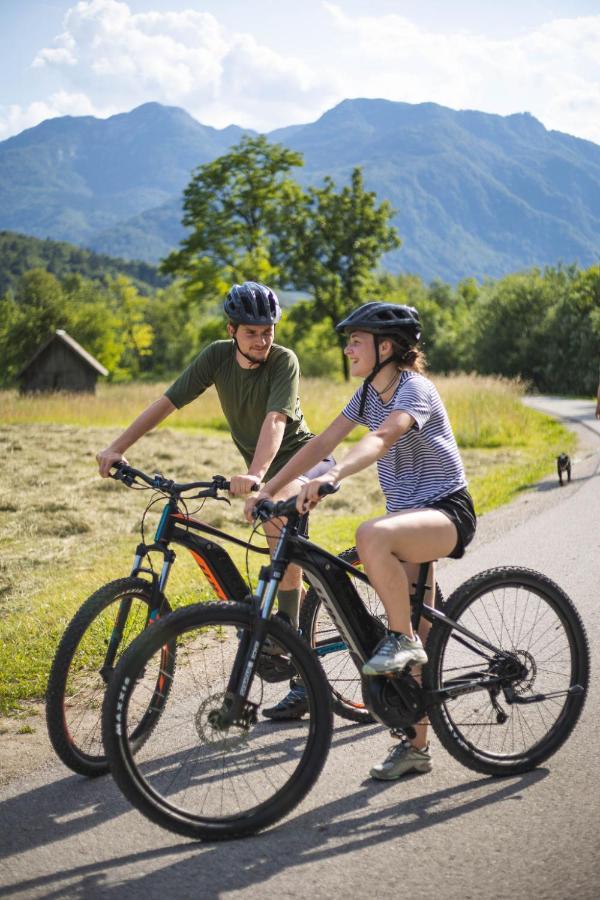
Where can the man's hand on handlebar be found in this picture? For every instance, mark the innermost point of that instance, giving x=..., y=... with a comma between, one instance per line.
x=243, y=484
x=106, y=459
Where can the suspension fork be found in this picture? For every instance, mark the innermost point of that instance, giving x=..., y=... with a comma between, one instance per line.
x=159, y=582
x=251, y=642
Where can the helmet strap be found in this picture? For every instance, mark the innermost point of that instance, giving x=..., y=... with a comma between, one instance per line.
x=376, y=368
x=255, y=362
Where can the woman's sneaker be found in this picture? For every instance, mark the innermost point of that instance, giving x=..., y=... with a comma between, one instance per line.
x=394, y=653
x=293, y=706
x=402, y=759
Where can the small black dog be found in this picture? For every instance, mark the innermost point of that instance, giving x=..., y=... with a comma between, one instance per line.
x=563, y=464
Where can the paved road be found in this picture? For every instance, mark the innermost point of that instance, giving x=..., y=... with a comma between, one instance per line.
x=450, y=834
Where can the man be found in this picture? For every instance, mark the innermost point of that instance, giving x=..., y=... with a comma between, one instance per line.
x=257, y=384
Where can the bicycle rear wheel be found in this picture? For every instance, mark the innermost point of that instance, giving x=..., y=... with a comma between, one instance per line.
x=525, y=613
x=79, y=674
x=322, y=634
x=190, y=776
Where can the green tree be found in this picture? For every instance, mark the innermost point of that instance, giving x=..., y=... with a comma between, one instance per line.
x=572, y=340
x=93, y=320
x=130, y=308
x=28, y=318
x=234, y=206
x=510, y=326
x=175, y=325
x=333, y=244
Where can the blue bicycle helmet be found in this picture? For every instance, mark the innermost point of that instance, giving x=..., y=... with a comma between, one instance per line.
x=251, y=303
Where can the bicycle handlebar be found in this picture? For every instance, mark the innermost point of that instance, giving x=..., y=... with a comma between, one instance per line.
x=268, y=509
x=128, y=475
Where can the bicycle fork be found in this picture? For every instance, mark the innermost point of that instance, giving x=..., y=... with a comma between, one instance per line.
x=157, y=592
x=236, y=708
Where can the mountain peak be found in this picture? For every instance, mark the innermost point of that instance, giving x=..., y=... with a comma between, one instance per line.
x=475, y=193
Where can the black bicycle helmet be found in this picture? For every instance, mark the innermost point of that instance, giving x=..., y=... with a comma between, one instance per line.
x=251, y=303
x=384, y=318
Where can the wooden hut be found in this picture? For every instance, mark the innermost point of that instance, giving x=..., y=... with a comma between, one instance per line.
x=61, y=364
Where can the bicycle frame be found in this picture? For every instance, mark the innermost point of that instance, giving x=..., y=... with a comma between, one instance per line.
x=214, y=561
x=329, y=576
x=216, y=564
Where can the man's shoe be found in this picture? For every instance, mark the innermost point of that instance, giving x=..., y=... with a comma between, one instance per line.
x=394, y=653
x=402, y=759
x=293, y=706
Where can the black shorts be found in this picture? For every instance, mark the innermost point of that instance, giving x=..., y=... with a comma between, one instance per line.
x=459, y=509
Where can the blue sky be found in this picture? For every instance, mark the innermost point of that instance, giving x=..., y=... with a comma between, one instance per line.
x=264, y=64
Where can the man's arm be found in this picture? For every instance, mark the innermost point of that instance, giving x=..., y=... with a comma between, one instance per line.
x=598, y=402
x=146, y=421
x=267, y=447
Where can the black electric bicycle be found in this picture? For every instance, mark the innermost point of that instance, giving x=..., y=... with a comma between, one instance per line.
x=116, y=613
x=504, y=687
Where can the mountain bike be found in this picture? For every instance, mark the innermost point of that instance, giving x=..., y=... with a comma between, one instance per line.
x=116, y=613
x=503, y=689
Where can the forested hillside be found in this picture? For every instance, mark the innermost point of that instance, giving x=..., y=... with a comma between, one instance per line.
x=19, y=253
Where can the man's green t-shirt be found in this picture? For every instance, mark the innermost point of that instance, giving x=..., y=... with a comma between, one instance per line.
x=247, y=395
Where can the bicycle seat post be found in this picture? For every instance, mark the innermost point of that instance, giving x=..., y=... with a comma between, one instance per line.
x=418, y=598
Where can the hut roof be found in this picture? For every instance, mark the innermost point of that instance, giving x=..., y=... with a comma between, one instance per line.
x=61, y=334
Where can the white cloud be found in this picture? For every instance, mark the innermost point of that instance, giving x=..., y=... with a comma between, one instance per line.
x=109, y=58
x=184, y=58
x=552, y=71
x=15, y=118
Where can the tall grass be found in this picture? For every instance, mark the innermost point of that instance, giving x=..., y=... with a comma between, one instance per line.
x=485, y=412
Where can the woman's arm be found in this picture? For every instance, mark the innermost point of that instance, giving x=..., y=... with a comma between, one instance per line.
x=146, y=421
x=308, y=456
x=373, y=446
x=370, y=448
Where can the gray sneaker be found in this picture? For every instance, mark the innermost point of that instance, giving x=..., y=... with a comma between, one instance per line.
x=401, y=759
x=394, y=653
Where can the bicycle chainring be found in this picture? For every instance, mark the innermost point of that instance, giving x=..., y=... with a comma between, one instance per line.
x=396, y=701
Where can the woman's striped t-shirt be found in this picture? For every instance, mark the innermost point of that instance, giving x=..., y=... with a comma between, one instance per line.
x=424, y=465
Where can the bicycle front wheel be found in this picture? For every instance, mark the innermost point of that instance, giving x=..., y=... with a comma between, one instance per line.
x=522, y=612
x=191, y=776
x=82, y=667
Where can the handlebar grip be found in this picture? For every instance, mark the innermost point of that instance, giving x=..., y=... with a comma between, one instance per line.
x=268, y=509
x=328, y=489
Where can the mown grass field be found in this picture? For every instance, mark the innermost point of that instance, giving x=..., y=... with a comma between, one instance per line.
x=64, y=531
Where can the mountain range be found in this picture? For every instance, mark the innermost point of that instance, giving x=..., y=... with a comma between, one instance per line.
x=474, y=194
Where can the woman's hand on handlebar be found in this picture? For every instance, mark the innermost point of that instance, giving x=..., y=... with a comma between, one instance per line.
x=107, y=458
x=309, y=495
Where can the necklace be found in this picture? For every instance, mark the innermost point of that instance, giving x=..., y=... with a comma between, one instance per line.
x=395, y=377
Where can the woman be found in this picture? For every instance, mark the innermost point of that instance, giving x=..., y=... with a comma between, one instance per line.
x=429, y=512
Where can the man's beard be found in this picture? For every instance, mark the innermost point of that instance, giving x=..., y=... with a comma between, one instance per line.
x=257, y=359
